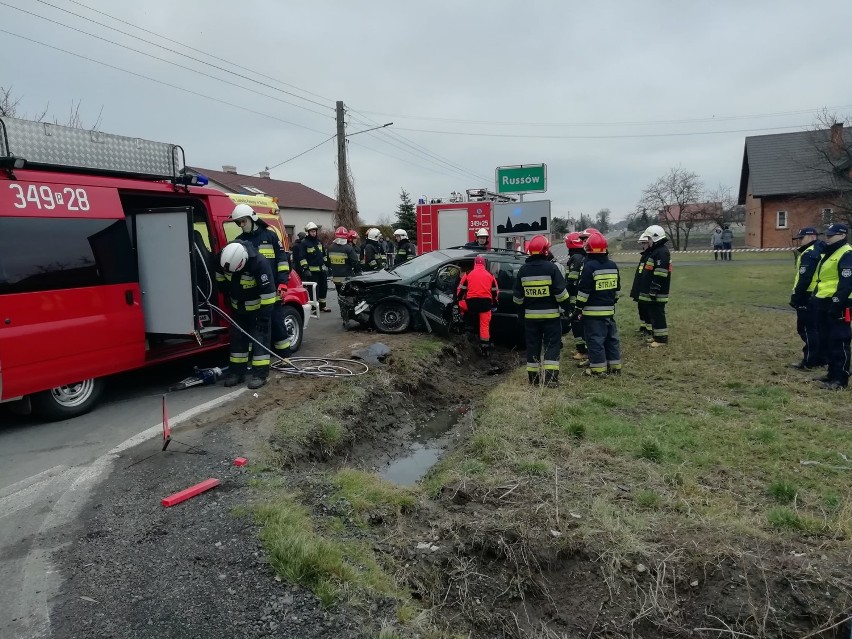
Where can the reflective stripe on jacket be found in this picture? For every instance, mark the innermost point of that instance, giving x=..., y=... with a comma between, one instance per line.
x=540, y=287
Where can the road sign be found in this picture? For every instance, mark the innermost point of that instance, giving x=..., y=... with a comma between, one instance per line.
x=523, y=178
x=522, y=218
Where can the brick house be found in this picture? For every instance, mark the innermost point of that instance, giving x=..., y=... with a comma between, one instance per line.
x=298, y=204
x=791, y=180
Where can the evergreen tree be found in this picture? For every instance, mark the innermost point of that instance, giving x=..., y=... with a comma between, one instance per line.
x=405, y=216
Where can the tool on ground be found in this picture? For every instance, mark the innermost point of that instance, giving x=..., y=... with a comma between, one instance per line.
x=201, y=376
x=190, y=492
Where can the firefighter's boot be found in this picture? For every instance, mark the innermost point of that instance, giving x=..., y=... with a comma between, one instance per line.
x=232, y=379
x=256, y=382
x=485, y=349
x=551, y=379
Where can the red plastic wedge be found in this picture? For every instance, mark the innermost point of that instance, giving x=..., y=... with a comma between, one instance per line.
x=240, y=461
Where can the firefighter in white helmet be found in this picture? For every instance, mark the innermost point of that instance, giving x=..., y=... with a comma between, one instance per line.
x=404, y=248
x=374, y=256
x=245, y=278
x=312, y=263
x=269, y=245
x=655, y=283
x=481, y=241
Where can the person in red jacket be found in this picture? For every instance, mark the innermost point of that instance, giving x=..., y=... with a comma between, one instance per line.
x=477, y=294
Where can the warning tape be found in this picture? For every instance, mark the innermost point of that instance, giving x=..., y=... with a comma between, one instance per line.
x=739, y=250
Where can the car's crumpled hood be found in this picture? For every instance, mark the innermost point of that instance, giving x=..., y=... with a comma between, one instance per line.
x=371, y=279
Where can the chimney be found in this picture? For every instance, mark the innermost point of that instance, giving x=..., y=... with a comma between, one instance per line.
x=835, y=141
x=264, y=174
x=229, y=168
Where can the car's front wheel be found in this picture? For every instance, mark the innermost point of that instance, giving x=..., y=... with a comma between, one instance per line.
x=293, y=324
x=71, y=400
x=391, y=317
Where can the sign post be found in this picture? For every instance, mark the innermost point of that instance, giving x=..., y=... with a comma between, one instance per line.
x=520, y=179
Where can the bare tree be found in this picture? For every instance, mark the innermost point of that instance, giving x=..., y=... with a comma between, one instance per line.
x=833, y=159
x=722, y=207
x=602, y=220
x=674, y=197
x=10, y=107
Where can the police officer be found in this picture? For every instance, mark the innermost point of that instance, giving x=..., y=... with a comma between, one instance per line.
x=374, y=255
x=481, y=241
x=808, y=256
x=833, y=298
x=245, y=277
x=477, y=295
x=268, y=244
x=644, y=316
x=312, y=262
x=404, y=248
x=655, y=284
x=597, y=292
x=574, y=267
x=342, y=258
x=540, y=290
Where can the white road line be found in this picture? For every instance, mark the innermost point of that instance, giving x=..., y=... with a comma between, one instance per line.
x=40, y=581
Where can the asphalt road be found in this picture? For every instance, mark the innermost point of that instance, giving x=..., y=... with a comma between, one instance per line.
x=47, y=470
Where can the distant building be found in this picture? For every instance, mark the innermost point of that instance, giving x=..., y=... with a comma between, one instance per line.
x=298, y=204
x=792, y=180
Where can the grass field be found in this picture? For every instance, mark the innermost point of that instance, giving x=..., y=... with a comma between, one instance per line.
x=708, y=477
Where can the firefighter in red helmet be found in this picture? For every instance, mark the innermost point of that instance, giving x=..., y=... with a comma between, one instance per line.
x=540, y=290
x=477, y=294
x=342, y=258
x=597, y=292
x=576, y=257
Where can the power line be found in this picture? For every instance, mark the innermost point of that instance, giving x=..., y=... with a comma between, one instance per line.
x=602, y=137
x=269, y=168
x=209, y=55
x=173, y=86
x=395, y=157
x=180, y=66
x=608, y=123
x=423, y=155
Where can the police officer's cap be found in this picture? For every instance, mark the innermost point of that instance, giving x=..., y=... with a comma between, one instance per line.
x=808, y=230
x=836, y=229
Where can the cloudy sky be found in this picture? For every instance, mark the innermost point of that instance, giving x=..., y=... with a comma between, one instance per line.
x=608, y=94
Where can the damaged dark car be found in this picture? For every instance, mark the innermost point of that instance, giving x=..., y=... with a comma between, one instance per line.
x=420, y=294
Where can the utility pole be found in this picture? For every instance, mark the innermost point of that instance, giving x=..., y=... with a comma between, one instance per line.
x=342, y=186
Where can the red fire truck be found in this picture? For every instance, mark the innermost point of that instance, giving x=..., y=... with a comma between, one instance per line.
x=106, y=263
x=446, y=224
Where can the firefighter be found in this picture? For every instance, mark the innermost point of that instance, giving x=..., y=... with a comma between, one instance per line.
x=342, y=258
x=355, y=241
x=645, y=329
x=374, y=255
x=481, y=241
x=574, y=267
x=246, y=279
x=268, y=244
x=477, y=294
x=540, y=290
x=298, y=242
x=808, y=256
x=597, y=293
x=833, y=298
x=655, y=283
x=404, y=248
x=312, y=262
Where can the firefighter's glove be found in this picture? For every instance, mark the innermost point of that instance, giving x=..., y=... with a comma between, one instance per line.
x=493, y=309
x=282, y=291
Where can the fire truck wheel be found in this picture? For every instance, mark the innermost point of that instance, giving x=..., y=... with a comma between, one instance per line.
x=391, y=317
x=64, y=402
x=293, y=323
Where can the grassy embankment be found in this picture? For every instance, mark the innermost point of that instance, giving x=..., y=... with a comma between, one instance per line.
x=696, y=448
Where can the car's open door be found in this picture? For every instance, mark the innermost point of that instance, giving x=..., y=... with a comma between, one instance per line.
x=437, y=308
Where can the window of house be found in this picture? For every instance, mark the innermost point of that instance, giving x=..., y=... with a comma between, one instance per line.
x=781, y=220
